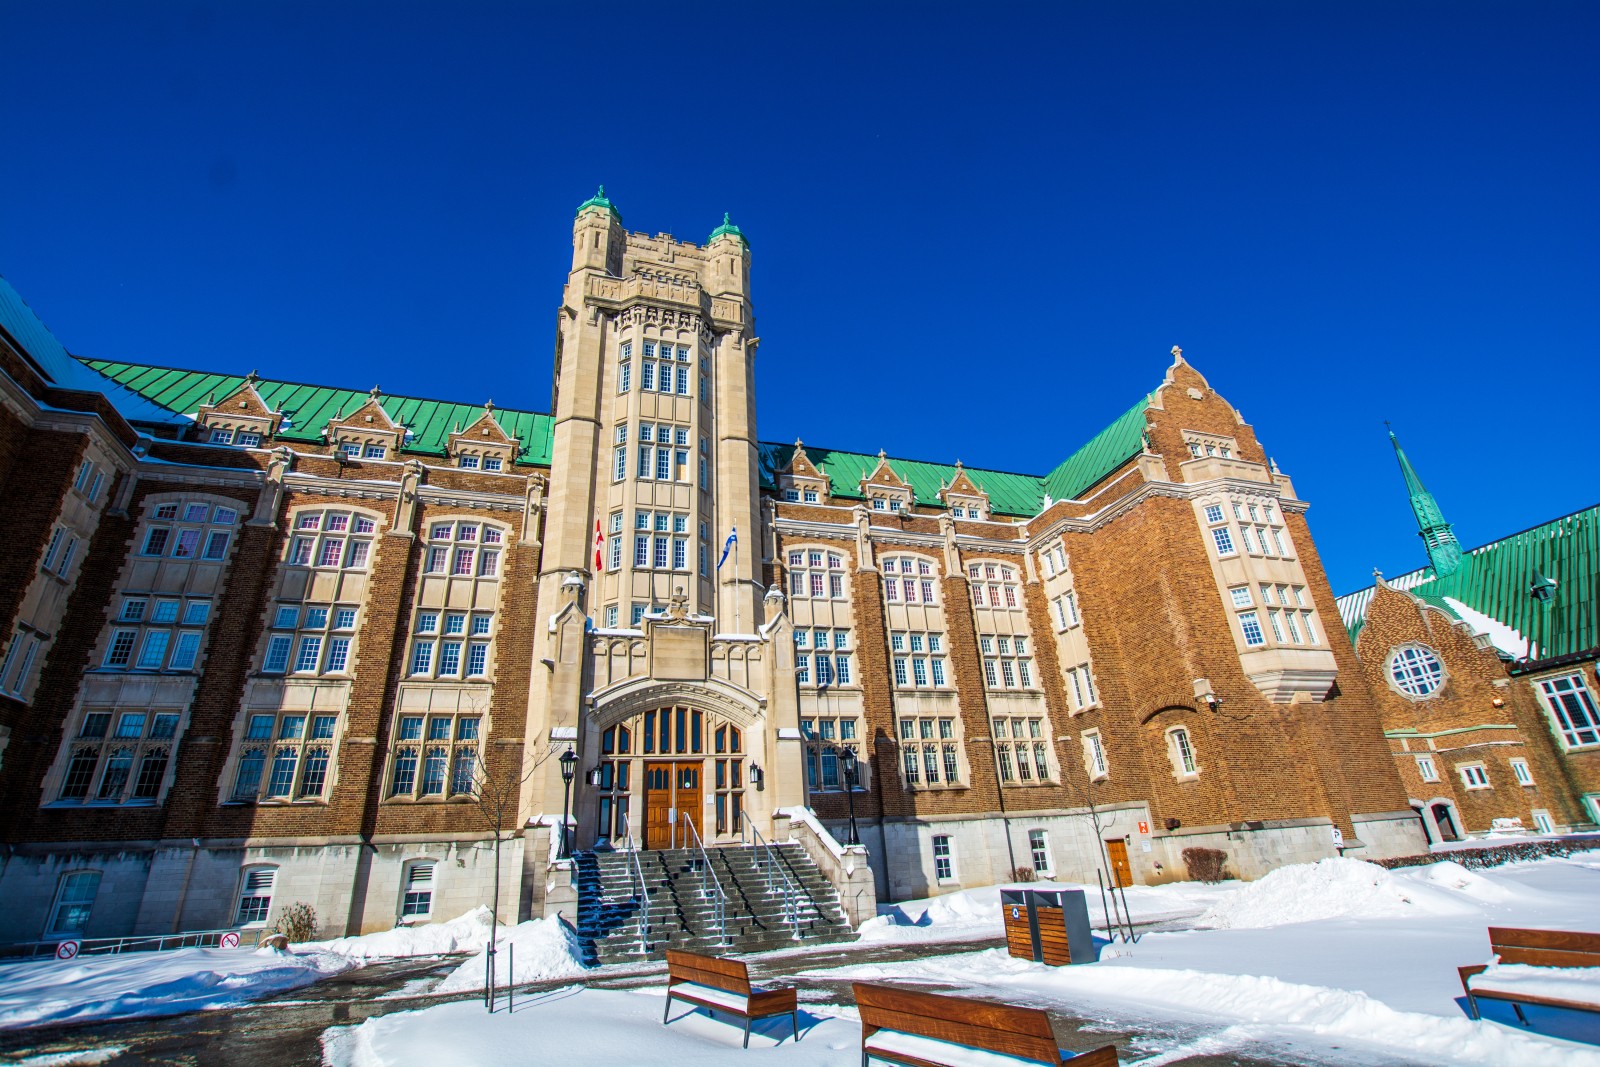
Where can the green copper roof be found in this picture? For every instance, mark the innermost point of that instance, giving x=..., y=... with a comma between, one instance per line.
x=727, y=229
x=310, y=407
x=1009, y=494
x=599, y=200
x=1497, y=580
x=1105, y=452
x=1443, y=548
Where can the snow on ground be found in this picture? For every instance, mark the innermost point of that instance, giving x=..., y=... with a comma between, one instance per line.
x=464, y=933
x=539, y=949
x=593, y=1025
x=153, y=983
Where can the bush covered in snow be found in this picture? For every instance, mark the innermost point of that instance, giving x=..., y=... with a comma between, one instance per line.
x=1479, y=859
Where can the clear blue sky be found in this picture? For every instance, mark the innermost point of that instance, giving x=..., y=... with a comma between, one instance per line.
x=976, y=229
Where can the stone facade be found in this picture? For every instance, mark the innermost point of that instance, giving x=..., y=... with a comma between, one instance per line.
x=355, y=656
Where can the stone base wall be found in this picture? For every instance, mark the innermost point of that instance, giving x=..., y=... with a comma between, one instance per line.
x=354, y=888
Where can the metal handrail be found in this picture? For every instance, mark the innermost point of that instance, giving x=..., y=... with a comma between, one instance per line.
x=641, y=892
x=115, y=945
x=709, y=881
x=789, y=890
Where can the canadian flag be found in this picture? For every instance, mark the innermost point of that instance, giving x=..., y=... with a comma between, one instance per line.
x=599, y=547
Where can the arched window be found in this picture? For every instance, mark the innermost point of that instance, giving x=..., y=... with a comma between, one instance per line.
x=1180, y=750
x=910, y=580
x=994, y=585
x=461, y=566
x=816, y=573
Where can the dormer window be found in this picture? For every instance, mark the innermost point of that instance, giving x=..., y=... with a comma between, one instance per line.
x=1209, y=446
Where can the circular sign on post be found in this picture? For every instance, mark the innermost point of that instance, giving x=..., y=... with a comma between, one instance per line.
x=68, y=949
x=230, y=939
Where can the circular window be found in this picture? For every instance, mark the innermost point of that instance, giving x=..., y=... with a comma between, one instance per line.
x=1416, y=671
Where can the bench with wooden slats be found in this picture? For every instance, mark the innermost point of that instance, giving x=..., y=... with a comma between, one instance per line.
x=1538, y=948
x=717, y=983
x=915, y=1029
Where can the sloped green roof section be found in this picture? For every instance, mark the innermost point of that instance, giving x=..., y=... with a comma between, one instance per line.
x=1009, y=494
x=1495, y=580
x=310, y=407
x=1105, y=452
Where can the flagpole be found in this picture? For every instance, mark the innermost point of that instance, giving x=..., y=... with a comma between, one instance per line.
x=736, y=585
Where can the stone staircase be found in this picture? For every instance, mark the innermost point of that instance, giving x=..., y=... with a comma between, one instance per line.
x=683, y=917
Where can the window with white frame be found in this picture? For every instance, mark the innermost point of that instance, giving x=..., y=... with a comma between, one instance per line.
x=825, y=737
x=255, y=896
x=434, y=757
x=994, y=585
x=1201, y=445
x=1065, y=608
x=1007, y=663
x=1039, y=852
x=1474, y=776
x=74, y=903
x=463, y=548
x=1221, y=533
x=929, y=750
x=1022, y=748
x=663, y=452
x=1542, y=822
x=944, y=858
x=917, y=660
x=1521, y=772
x=660, y=540
x=1415, y=670
x=1426, y=769
x=664, y=368
x=822, y=657
x=816, y=573
x=1288, y=613
x=1572, y=706
x=450, y=644
x=1180, y=750
x=90, y=478
x=21, y=654
x=284, y=756
x=119, y=757
x=909, y=580
x=310, y=639
x=1080, y=685
x=416, y=899
x=1094, y=755
x=1261, y=530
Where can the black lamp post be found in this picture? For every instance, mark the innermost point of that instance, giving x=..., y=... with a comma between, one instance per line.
x=569, y=767
x=847, y=756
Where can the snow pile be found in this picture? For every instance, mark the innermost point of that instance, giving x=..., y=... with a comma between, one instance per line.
x=542, y=949
x=1456, y=878
x=464, y=933
x=1289, y=1010
x=153, y=983
x=1579, y=985
x=1330, y=889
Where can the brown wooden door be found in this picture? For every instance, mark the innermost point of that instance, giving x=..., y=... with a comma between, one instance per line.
x=687, y=800
x=1121, y=872
x=657, y=805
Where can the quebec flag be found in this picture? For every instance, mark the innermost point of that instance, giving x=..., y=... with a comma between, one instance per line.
x=727, y=546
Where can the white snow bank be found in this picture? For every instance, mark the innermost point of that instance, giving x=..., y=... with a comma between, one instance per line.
x=542, y=949
x=153, y=983
x=464, y=933
x=1341, y=888
x=83, y=1058
x=1579, y=985
x=1292, y=1011
x=604, y=1026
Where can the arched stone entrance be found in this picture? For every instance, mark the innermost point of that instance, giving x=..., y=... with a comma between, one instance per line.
x=1444, y=817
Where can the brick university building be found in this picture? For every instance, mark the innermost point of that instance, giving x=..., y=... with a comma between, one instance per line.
x=267, y=642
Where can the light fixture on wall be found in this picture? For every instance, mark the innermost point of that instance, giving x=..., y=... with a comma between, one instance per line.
x=593, y=777
x=1204, y=694
x=758, y=777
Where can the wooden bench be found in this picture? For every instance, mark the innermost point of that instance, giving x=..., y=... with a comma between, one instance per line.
x=717, y=983
x=912, y=1029
x=1538, y=948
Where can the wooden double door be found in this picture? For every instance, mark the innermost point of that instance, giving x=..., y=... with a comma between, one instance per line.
x=673, y=800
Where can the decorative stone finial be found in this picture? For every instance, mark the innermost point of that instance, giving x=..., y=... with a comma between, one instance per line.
x=252, y=377
x=375, y=393
x=488, y=405
x=882, y=454
x=1177, y=353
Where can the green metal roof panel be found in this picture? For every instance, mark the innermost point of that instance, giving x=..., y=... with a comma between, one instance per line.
x=1495, y=579
x=310, y=407
x=1009, y=494
x=1105, y=452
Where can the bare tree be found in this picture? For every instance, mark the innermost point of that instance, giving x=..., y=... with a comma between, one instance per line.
x=497, y=798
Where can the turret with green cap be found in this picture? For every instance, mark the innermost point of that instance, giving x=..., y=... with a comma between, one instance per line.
x=1443, y=549
x=599, y=202
x=728, y=229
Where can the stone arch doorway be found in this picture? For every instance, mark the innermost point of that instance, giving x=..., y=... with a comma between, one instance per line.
x=669, y=777
x=1429, y=830
x=1444, y=817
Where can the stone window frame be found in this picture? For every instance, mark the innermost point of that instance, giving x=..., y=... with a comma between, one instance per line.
x=463, y=755
x=1018, y=756
x=1202, y=445
x=52, y=927
x=1576, y=700
x=1095, y=763
x=823, y=735
x=1040, y=845
x=408, y=876
x=1079, y=680
x=1521, y=772
x=249, y=879
x=1393, y=659
x=1007, y=664
x=1001, y=579
x=1427, y=767
x=817, y=567
x=919, y=736
x=1181, y=753
x=951, y=875
x=909, y=568
x=305, y=547
x=151, y=750
x=904, y=655
x=1474, y=775
x=1542, y=823
x=315, y=735
x=839, y=669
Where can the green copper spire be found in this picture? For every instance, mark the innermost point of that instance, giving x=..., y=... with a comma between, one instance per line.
x=598, y=200
x=729, y=229
x=1443, y=548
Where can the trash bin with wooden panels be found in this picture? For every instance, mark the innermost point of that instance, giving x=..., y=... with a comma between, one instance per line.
x=1047, y=925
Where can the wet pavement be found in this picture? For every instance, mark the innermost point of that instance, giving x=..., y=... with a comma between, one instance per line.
x=286, y=1031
